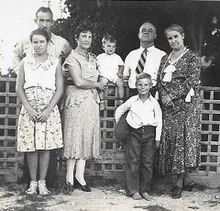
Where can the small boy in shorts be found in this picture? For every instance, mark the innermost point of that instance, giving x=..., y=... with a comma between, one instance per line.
x=145, y=120
x=111, y=67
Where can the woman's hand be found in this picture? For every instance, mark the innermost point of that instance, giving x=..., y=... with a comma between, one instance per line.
x=33, y=114
x=44, y=115
x=166, y=100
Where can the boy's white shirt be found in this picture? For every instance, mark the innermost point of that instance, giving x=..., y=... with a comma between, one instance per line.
x=141, y=113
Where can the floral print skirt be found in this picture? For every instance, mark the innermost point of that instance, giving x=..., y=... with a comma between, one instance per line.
x=180, y=140
x=32, y=136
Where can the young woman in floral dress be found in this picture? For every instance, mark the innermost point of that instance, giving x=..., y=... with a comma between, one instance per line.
x=39, y=87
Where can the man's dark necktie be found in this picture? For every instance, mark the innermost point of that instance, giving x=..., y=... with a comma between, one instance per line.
x=141, y=62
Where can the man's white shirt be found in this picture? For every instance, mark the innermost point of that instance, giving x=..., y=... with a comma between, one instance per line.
x=151, y=66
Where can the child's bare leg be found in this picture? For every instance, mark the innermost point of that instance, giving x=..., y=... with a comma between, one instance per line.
x=44, y=158
x=120, y=86
x=102, y=93
x=32, y=158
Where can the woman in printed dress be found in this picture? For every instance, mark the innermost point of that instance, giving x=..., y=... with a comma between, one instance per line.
x=178, y=84
x=39, y=87
x=80, y=109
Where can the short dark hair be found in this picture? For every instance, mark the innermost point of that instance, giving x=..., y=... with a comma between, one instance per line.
x=142, y=76
x=40, y=31
x=44, y=9
x=84, y=27
x=108, y=38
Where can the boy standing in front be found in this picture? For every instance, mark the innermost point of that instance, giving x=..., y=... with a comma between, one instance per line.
x=145, y=121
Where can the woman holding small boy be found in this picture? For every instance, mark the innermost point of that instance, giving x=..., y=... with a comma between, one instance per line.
x=80, y=109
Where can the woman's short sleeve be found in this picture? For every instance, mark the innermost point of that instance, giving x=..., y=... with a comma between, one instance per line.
x=71, y=60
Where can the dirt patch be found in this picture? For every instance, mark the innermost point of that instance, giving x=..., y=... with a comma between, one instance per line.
x=108, y=196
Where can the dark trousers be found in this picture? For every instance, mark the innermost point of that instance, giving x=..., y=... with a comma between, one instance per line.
x=140, y=152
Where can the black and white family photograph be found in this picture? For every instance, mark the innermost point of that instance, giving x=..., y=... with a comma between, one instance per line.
x=109, y=105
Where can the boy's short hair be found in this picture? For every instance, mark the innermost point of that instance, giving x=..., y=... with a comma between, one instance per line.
x=142, y=76
x=41, y=32
x=109, y=38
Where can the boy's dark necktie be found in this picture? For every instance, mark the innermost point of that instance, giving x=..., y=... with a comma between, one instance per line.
x=141, y=62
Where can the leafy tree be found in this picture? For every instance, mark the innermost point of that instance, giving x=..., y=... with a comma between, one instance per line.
x=123, y=18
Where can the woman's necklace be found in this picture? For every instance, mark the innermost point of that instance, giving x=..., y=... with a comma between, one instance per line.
x=82, y=54
x=178, y=57
x=171, y=63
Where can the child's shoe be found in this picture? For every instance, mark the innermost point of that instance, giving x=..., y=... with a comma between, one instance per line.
x=102, y=105
x=32, y=188
x=119, y=101
x=43, y=191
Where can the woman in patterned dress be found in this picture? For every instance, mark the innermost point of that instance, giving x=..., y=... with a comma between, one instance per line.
x=39, y=87
x=80, y=109
x=178, y=84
